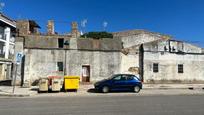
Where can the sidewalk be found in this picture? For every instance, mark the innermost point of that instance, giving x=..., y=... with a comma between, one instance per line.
x=18, y=92
x=86, y=88
x=173, y=86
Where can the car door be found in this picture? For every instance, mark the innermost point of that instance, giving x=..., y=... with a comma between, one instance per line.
x=119, y=82
x=130, y=81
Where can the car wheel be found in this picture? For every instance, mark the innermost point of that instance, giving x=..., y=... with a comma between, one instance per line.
x=105, y=89
x=136, y=89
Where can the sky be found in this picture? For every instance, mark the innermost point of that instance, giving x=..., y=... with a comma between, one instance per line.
x=182, y=19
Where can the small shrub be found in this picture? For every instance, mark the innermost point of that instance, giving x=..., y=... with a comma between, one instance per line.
x=97, y=35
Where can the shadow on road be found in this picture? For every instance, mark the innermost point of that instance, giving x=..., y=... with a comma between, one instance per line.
x=50, y=90
x=92, y=90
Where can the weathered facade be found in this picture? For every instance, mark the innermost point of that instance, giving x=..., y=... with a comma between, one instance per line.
x=158, y=58
x=173, y=61
x=131, y=41
x=59, y=55
x=155, y=57
x=7, y=39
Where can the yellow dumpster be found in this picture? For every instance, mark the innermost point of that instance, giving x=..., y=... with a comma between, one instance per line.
x=71, y=82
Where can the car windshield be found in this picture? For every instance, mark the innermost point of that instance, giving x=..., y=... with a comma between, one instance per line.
x=137, y=78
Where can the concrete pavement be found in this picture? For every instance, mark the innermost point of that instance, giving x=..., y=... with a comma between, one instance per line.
x=87, y=89
x=104, y=105
x=18, y=92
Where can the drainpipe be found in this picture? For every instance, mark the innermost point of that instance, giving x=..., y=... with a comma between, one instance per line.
x=65, y=62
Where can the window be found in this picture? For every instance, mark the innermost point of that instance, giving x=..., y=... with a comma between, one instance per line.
x=180, y=68
x=155, y=67
x=60, y=66
x=117, y=77
x=130, y=77
x=61, y=42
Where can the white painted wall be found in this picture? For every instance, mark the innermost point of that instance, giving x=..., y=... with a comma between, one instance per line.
x=193, y=65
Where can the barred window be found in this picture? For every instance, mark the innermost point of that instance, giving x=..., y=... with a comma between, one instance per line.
x=155, y=67
x=180, y=68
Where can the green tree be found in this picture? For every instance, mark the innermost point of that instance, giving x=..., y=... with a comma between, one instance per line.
x=97, y=35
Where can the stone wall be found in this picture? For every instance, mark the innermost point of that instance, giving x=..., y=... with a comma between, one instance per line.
x=43, y=63
x=45, y=41
x=136, y=37
x=189, y=56
x=131, y=42
x=193, y=66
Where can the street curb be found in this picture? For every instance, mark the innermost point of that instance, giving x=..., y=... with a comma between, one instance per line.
x=190, y=88
x=14, y=95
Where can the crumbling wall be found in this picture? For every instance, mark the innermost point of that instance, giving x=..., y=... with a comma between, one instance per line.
x=43, y=63
x=22, y=27
x=44, y=41
x=102, y=64
x=131, y=43
x=192, y=61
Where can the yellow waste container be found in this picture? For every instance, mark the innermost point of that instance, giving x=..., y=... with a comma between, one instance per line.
x=43, y=85
x=71, y=82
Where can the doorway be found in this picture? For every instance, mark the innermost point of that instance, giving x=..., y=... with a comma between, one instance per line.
x=86, y=73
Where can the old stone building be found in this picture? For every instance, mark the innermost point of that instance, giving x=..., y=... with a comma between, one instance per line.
x=173, y=61
x=161, y=59
x=154, y=57
x=7, y=39
x=131, y=61
x=58, y=55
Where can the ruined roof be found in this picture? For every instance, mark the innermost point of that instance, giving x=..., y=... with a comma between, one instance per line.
x=33, y=23
x=135, y=48
x=137, y=32
x=105, y=44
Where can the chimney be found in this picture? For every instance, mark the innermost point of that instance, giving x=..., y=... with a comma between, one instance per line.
x=22, y=27
x=75, y=32
x=50, y=27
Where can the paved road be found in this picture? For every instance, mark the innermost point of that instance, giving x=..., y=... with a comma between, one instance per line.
x=104, y=105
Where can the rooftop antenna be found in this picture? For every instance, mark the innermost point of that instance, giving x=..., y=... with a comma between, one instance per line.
x=2, y=5
x=83, y=25
x=19, y=16
x=105, y=24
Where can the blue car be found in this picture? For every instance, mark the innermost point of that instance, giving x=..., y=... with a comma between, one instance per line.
x=119, y=82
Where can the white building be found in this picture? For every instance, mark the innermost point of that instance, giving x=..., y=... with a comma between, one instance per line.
x=159, y=58
x=7, y=39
